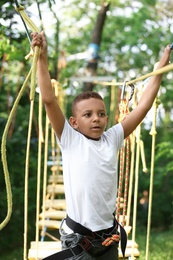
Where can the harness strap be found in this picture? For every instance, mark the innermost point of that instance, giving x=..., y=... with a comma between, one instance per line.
x=85, y=243
x=78, y=228
x=67, y=253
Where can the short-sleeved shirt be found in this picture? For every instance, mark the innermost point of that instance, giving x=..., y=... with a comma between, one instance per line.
x=90, y=175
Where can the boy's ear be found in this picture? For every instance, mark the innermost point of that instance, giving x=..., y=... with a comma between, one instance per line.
x=73, y=122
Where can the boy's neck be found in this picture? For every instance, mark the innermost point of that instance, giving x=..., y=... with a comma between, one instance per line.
x=94, y=139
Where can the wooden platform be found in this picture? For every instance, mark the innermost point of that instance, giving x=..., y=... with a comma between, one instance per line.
x=44, y=249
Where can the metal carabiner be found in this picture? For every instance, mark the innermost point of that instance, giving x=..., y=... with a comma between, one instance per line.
x=123, y=90
x=132, y=91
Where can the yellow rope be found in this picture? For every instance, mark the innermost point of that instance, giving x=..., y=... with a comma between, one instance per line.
x=40, y=140
x=34, y=28
x=26, y=181
x=45, y=173
x=136, y=187
x=156, y=72
x=153, y=132
x=25, y=17
x=132, y=163
x=3, y=153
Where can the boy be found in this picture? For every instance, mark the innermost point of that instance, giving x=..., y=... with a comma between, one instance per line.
x=90, y=164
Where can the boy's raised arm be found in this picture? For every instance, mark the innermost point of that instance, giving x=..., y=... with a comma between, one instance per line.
x=53, y=110
x=137, y=115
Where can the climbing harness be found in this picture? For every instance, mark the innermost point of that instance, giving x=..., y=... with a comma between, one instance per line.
x=85, y=243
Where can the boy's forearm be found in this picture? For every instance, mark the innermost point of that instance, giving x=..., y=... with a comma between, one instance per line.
x=44, y=80
x=153, y=86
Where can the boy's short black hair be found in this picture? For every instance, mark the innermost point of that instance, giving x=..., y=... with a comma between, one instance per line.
x=83, y=96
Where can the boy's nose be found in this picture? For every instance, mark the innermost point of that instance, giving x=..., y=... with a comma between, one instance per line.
x=96, y=118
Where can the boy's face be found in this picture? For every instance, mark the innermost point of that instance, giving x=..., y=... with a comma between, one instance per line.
x=90, y=118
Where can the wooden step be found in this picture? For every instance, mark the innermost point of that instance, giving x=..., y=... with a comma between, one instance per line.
x=53, y=214
x=131, y=243
x=59, y=204
x=56, y=178
x=50, y=224
x=55, y=189
x=128, y=253
x=41, y=250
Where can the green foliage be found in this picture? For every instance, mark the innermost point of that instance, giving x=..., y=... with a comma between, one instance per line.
x=160, y=246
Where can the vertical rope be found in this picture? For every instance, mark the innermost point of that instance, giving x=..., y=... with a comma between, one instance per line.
x=153, y=133
x=40, y=140
x=132, y=161
x=136, y=187
x=26, y=181
x=45, y=173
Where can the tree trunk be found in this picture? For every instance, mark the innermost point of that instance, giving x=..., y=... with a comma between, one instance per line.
x=94, y=46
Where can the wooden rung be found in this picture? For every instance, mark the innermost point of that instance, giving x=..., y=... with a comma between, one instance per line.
x=56, y=168
x=46, y=245
x=128, y=252
x=53, y=214
x=55, y=189
x=55, y=204
x=131, y=243
x=57, y=178
x=50, y=224
x=41, y=250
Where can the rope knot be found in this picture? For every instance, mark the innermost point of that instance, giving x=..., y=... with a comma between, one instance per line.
x=19, y=8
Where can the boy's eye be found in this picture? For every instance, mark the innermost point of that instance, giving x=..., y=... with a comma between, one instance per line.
x=87, y=114
x=102, y=114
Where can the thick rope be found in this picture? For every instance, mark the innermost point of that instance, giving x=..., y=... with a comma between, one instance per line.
x=166, y=68
x=26, y=18
x=34, y=28
x=4, y=156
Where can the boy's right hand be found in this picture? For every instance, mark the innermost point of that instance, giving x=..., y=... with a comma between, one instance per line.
x=39, y=39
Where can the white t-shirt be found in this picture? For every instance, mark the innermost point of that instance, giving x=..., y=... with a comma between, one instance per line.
x=90, y=175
